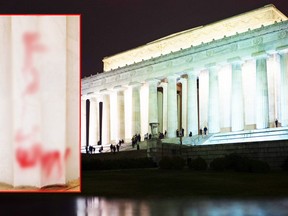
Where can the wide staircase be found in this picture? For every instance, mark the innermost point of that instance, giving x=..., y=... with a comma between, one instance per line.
x=268, y=134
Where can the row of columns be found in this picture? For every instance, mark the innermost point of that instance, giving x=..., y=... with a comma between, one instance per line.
x=190, y=103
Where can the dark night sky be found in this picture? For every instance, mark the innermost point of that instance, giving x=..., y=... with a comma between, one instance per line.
x=112, y=26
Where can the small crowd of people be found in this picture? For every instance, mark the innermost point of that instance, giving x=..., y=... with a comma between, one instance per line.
x=90, y=149
x=136, y=139
x=179, y=133
x=116, y=148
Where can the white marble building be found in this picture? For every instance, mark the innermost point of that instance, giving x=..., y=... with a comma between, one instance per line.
x=230, y=75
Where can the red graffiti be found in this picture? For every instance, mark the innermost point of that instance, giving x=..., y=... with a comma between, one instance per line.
x=49, y=160
x=26, y=158
x=31, y=43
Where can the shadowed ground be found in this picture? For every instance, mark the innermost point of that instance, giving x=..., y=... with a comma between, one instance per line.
x=155, y=183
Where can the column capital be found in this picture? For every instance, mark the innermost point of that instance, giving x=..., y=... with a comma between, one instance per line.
x=192, y=74
x=135, y=84
x=152, y=80
x=282, y=49
x=105, y=91
x=119, y=88
x=260, y=54
x=211, y=65
x=235, y=60
x=172, y=77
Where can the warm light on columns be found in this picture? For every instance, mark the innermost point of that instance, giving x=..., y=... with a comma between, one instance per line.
x=284, y=88
x=172, y=106
x=83, y=123
x=136, y=115
x=237, y=104
x=144, y=104
x=128, y=113
x=249, y=93
x=262, y=103
x=184, y=105
x=93, y=122
x=213, y=103
x=192, y=111
x=153, y=104
x=114, y=118
x=203, y=98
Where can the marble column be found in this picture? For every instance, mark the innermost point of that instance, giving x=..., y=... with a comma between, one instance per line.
x=184, y=106
x=165, y=107
x=113, y=117
x=153, y=104
x=213, y=103
x=106, y=120
x=237, y=100
x=83, y=124
x=284, y=89
x=172, y=107
x=262, y=103
x=93, y=122
x=192, y=113
x=7, y=103
x=121, y=115
x=160, y=110
x=136, y=118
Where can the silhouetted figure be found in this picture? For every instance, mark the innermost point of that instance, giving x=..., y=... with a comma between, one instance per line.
x=101, y=149
x=200, y=132
x=91, y=149
x=111, y=147
x=276, y=123
x=118, y=147
x=205, y=130
x=190, y=134
x=86, y=148
x=114, y=149
x=177, y=133
x=182, y=131
x=165, y=133
x=150, y=136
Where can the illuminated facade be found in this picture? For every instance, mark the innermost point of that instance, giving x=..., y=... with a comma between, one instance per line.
x=230, y=75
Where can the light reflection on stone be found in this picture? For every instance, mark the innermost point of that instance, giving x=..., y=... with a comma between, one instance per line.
x=92, y=206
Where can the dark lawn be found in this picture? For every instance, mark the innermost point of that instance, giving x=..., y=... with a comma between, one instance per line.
x=155, y=183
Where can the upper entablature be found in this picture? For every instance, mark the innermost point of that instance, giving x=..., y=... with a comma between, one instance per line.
x=266, y=15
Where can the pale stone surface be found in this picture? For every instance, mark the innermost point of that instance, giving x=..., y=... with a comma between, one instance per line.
x=153, y=108
x=262, y=103
x=213, y=106
x=237, y=104
x=136, y=119
x=284, y=89
x=184, y=105
x=121, y=115
x=83, y=123
x=172, y=107
x=93, y=122
x=192, y=112
x=195, y=36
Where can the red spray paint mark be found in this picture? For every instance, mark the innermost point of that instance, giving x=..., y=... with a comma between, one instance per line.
x=48, y=160
x=51, y=162
x=32, y=45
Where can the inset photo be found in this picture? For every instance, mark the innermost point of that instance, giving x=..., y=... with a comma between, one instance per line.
x=39, y=103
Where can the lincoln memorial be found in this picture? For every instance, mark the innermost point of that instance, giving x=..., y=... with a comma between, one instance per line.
x=229, y=76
